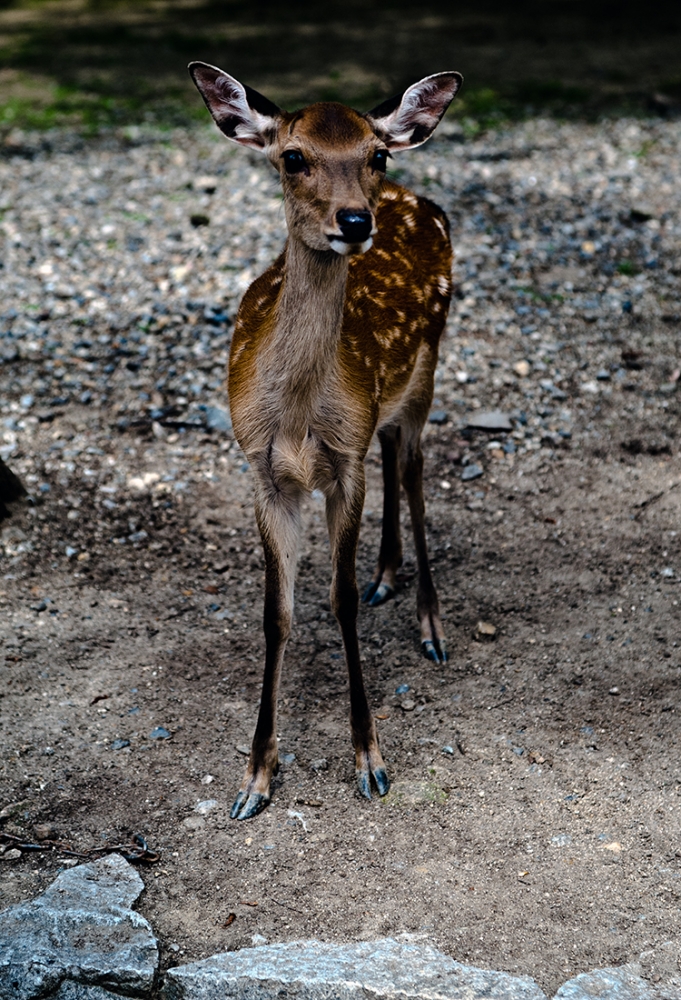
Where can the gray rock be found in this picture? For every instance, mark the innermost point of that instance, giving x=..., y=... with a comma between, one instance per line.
x=315, y=970
x=217, y=419
x=472, y=471
x=82, y=928
x=622, y=983
x=494, y=420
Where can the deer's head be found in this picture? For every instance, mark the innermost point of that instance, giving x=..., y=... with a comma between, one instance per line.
x=331, y=159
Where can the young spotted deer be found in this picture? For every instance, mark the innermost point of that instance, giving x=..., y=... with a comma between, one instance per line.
x=336, y=340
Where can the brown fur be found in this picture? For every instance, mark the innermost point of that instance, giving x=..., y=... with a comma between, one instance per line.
x=334, y=342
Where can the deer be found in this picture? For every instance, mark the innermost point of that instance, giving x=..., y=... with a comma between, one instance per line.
x=335, y=342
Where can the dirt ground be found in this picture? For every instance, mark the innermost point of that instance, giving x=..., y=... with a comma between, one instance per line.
x=546, y=841
x=533, y=823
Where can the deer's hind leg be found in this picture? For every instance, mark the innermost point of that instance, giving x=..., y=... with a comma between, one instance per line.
x=427, y=604
x=278, y=516
x=382, y=587
x=412, y=420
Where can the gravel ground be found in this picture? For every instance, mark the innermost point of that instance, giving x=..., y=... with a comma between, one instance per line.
x=534, y=820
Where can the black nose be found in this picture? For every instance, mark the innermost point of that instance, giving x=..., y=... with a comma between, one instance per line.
x=355, y=226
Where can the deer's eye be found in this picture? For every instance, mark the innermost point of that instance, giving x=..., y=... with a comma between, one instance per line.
x=380, y=160
x=294, y=161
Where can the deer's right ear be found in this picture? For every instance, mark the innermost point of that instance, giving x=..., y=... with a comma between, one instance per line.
x=244, y=115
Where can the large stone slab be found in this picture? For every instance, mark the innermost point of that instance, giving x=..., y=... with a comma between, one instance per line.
x=81, y=929
x=313, y=970
x=621, y=983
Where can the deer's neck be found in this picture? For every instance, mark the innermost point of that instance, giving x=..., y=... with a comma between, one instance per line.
x=304, y=346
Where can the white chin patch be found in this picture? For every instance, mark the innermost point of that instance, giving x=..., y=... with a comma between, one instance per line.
x=347, y=249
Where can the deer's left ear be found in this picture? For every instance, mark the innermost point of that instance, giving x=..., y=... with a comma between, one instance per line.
x=410, y=118
x=244, y=115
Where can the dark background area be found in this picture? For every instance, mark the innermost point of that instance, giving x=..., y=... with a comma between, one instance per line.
x=93, y=63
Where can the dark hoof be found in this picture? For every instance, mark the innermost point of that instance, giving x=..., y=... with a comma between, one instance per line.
x=364, y=783
x=382, y=781
x=383, y=593
x=369, y=592
x=435, y=650
x=246, y=806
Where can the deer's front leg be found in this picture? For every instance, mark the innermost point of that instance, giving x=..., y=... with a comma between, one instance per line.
x=344, y=513
x=278, y=516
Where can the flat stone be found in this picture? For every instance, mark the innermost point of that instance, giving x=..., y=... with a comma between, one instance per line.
x=621, y=983
x=472, y=471
x=494, y=420
x=314, y=970
x=82, y=928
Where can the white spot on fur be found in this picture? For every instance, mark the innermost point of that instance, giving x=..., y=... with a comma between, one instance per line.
x=344, y=249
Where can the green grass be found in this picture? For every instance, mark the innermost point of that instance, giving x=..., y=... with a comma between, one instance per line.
x=95, y=64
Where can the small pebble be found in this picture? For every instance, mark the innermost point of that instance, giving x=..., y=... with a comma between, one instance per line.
x=493, y=420
x=121, y=744
x=484, y=631
x=402, y=689
x=217, y=419
x=472, y=471
x=13, y=854
x=206, y=183
x=44, y=831
x=561, y=839
x=203, y=808
x=160, y=733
